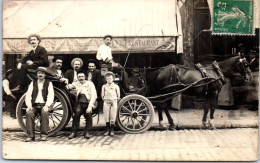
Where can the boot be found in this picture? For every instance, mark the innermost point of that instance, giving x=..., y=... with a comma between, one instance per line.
x=112, y=130
x=87, y=135
x=107, y=129
x=72, y=135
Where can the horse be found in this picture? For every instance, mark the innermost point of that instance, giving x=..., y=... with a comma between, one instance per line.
x=192, y=81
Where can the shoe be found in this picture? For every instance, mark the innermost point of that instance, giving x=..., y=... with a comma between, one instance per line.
x=112, y=130
x=87, y=135
x=29, y=139
x=43, y=138
x=107, y=129
x=72, y=135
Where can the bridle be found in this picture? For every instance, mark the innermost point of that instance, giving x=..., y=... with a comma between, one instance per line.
x=244, y=65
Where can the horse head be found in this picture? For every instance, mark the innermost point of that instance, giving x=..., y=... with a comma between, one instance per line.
x=242, y=67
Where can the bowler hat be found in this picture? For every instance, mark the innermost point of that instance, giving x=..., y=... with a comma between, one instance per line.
x=110, y=73
x=135, y=70
x=34, y=35
x=111, y=37
x=104, y=66
x=57, y=57
x=77, y=59
x=8, y=72
x=92, y=61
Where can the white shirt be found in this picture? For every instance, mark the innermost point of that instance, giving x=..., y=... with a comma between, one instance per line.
x=75, y=79
x=6, y=87
x=39, y=98
x=59, y=72
x=88, y=89
x=104, y=53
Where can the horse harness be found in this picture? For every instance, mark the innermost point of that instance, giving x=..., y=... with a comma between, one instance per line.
x=174, y=69
x=204, y=74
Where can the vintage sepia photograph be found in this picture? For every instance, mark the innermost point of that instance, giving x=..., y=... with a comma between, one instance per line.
x=130, y=80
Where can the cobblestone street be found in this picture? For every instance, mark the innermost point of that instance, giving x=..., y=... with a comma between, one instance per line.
x=239, y=144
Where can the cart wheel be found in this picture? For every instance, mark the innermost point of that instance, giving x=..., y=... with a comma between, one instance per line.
x=135, y=114
x=58, y=117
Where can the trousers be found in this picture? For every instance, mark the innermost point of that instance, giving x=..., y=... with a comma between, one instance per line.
x=110, y=110
x=30, y=121
x=79, y=110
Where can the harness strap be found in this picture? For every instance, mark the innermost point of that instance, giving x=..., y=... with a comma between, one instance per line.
x=204, y=74
x=202, y=70
x=217, y=69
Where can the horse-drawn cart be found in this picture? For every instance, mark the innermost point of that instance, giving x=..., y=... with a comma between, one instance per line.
x=135, y=109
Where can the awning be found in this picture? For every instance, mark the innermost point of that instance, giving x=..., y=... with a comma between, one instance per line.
x=77, y=26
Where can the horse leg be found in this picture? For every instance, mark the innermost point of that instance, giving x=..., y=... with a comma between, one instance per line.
x=212, y=110
x=206, y=110
x=160, y=116
x=170, y=120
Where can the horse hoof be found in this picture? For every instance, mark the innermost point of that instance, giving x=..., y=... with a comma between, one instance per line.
x=205, y=125
x=212, y=127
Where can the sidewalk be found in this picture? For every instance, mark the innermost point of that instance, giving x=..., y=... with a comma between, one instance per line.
x=186, y=118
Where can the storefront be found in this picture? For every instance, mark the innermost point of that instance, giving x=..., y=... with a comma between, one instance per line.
x=142, y=30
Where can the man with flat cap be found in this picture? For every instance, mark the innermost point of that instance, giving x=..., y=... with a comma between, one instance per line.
x=37, y=57
x=38, y=99
x=104, y=54
x=93, y=74
x=71, y=74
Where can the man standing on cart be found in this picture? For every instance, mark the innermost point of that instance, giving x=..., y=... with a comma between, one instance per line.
x=104, y=54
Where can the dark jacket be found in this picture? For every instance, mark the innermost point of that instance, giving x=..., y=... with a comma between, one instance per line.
x=69, y=74
x=39, y=58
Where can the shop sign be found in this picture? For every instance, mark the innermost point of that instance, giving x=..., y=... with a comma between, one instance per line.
x=90, y=45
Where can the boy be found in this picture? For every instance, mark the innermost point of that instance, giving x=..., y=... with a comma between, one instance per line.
x=110, y=95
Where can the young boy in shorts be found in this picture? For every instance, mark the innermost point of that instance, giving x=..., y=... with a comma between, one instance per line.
x=110, y=95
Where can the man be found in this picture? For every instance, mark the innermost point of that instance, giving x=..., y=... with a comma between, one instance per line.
x=56, y=69
x=37, y=57
x=86, y=98
x=71, y=74
x=38, y=99
x=135, y=82
x=93, y=74
x=9, y=94
x=101, y=79
x=104, y=54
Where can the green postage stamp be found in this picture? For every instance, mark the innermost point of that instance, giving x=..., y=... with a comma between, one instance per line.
x=233, y=17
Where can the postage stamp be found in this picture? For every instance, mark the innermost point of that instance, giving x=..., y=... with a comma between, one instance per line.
x=233, y=17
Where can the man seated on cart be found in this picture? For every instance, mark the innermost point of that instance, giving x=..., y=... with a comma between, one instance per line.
x=38, y=99
x=135, y=82
x=86, y=96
